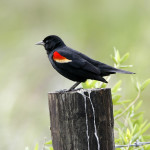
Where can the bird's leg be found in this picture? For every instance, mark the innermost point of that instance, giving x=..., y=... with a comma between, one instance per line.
x=74, y=86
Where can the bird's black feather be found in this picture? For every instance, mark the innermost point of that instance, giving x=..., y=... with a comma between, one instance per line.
x=76, y=66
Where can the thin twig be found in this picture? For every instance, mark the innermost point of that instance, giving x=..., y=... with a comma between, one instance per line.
x=118, y=116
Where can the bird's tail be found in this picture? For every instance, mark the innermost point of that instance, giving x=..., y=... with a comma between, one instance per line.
x=122, y=71
x=107, y=70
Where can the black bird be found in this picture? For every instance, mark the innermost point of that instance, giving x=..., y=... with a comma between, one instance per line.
x=75, y=65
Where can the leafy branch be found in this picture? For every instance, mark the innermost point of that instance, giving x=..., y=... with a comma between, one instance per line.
x=130, y=126
x=129, y=123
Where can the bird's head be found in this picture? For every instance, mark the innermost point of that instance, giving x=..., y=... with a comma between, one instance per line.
x=51, y=42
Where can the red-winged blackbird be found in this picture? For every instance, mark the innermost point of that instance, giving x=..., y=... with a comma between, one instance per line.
x=75, y=65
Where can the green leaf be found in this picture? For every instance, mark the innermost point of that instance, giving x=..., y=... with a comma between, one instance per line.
x=124, y=101
x=116, y=99
x=36, y=147
x=103, y=85
x=138, y=86
x=138, y=105
x=116, y=87
x=97, y=84
x=134, y=129
x=116, y=112
x=113, y=58
x=128, y=134
x=146, y=137
x=145, y=84
x=145, y=128
x=117, y=140
x=49, y=142
x=92, y=85
x=131, y=126
x=117, y=55
x=86, y=84
x=146, y=147
x=137, y=115
x=124, y=57
x=121, y=124
x=51, y=148
x=143, y=124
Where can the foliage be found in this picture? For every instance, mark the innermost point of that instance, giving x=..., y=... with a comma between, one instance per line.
x=46, y=146
x=129, y=121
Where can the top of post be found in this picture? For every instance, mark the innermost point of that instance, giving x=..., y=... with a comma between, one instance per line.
x=79, y=90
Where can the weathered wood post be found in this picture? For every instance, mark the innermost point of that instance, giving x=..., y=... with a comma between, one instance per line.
x=82, y=120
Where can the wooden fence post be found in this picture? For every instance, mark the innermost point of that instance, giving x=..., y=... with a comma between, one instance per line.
x=82, y=120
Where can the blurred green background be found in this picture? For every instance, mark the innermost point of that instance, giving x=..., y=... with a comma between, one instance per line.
x=26, y=76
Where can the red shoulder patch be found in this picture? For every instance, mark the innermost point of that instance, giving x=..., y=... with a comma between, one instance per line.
x=59, y=58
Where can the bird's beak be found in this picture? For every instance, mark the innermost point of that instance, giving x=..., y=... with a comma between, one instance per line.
x=40, y=43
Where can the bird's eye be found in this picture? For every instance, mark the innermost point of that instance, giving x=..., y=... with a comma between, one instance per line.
x=46, y=42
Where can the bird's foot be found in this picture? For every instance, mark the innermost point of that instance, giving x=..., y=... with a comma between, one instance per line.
x=62, y=91
x=65, y=90
x=74, y=86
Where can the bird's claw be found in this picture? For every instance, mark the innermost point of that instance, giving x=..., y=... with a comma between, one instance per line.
x=65, y=90
x=62, y=91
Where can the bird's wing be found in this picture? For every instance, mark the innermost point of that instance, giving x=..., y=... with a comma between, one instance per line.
x=73, y=60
